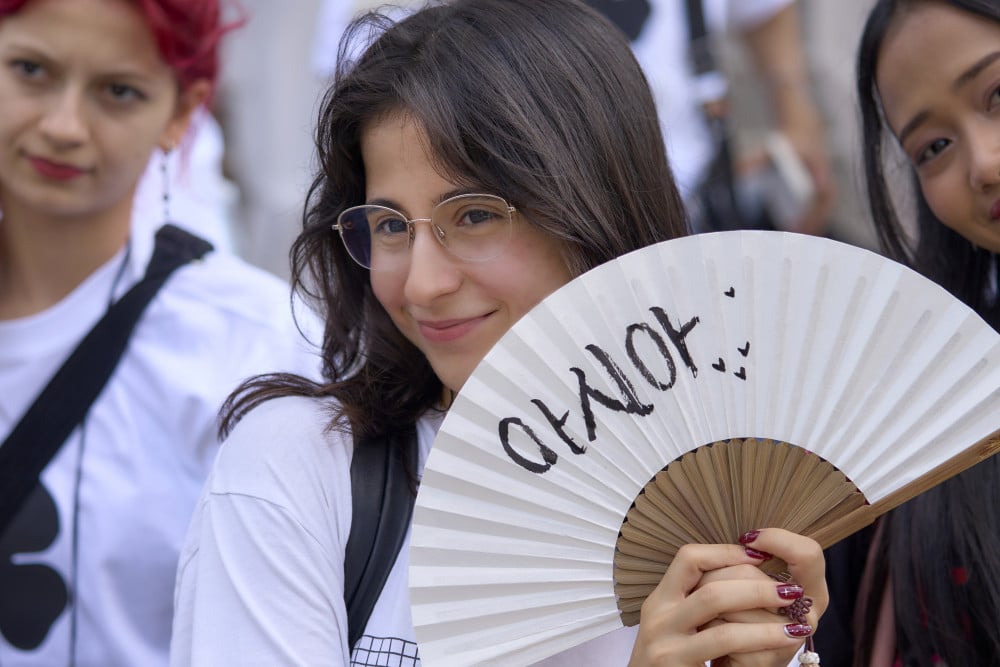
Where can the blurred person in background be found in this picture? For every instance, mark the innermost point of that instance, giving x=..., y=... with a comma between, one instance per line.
x=661, y=39
x=89, y=91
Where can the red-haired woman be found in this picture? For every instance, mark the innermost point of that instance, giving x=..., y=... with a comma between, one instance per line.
x=89, y=89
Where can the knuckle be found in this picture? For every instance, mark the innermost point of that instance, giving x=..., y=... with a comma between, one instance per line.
x=746, y=571
x=687, y=552
x=726, y=635
x=813, y=551
x=712, y=595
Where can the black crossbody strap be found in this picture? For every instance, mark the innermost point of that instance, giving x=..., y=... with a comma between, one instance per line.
x=382, y=506
x=702, y=59
x=64, y=401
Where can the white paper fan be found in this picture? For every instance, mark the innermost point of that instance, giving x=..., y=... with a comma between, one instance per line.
x=742, y=339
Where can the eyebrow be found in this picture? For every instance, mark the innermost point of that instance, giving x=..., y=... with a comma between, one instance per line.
x=28, y=48
x=963, y=79
x=389, y=203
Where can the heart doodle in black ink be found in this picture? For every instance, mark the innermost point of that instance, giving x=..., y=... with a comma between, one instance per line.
x=721, y=366
x=731, y=292
x=741, y=374
x=629, y=15
x=33, y=595
x=745, y=350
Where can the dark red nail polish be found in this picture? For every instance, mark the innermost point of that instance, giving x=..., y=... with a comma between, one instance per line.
x=749, y=536
x=759, y=555
x=798, y=630
x=789, y=591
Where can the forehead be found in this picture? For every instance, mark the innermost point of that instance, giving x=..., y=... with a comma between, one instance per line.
x=398, y=158
x=925, y=52
x=85, y=34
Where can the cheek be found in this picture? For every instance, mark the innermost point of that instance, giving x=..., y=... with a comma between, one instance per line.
x=944, y=201
x=388, y=290
x=381, y=287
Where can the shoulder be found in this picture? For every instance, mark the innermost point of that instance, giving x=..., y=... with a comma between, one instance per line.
x=231, y=285
x=239, y=316
x=264, y=552
x=285, y=452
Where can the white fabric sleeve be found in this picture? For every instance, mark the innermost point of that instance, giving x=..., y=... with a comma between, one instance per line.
x=261, y=577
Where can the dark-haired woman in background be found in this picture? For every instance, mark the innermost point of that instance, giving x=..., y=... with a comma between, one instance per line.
x=929, y=78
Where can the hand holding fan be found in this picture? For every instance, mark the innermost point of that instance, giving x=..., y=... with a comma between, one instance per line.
x=686, y=392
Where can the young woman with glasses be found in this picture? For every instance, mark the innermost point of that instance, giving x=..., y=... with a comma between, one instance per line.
x=476, y=157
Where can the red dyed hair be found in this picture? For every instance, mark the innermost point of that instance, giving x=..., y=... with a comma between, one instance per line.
x=187, y=34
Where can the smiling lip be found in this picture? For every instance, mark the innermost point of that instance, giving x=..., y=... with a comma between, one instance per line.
x=56, y=171
x=445, y=331
x=995, y=211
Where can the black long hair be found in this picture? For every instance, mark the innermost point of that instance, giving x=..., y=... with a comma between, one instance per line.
x=940, y=550
x=541, y=102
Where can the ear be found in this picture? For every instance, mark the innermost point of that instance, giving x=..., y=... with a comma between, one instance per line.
x=188, y=102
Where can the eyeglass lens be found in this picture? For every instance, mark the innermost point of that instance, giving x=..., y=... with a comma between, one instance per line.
x=472, y=227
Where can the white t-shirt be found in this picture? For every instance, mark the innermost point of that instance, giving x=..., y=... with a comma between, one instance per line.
x=121, y=490
x=261, y=575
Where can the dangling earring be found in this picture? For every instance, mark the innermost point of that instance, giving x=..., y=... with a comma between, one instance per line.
x=165, y=176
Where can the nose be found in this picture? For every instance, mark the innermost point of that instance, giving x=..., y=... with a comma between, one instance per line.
x=432, y=271
x=984, y=156
x=63, y=121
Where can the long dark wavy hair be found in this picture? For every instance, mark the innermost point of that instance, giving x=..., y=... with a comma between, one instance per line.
x=941, y=550
x=540, y=102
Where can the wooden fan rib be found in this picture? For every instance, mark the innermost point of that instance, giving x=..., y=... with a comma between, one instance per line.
x=668, y=527
x=865, y=515
x=775, y=477
x=688, y=475
x=630, y=563
x=796, y=488
x=642, y=531
x=671, y=501
x=634, y=548
x=714, y=475
x=797, y=498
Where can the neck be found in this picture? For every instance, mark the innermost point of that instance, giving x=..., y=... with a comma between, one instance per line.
x=43, y=259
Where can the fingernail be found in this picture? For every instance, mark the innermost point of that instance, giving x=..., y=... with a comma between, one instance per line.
x=789, y=591
x=795, y=630
x=759, y=555
x=749, y=536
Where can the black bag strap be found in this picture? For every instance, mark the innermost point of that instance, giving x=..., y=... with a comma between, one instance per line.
x=382, y=505
x=64, y=401
x=702, y=58
x=703, y=64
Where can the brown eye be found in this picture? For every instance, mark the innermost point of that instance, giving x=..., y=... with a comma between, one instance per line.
x=932, y=150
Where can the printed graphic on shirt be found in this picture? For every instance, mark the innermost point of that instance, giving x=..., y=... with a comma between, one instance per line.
x=34, y=595
x=371, y=651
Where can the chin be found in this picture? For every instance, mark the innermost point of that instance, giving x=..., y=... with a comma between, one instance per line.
x=452, y=378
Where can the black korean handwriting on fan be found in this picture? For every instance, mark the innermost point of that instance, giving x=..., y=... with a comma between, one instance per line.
x=630, y=16
x=744, y=349
x=649, y=345
x=654, y=352
x=34, y=595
